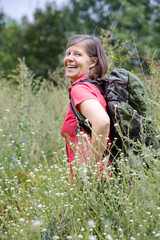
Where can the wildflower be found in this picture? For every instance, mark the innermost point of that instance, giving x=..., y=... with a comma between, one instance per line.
x=112, y=56
x=132, y=70
x=91, y=224
x=28, y=180
x=37, y=223
x=7, y=110
x=109, y=237
x=91, y=237
x=131, y=220
x=120, y=229
x=106, y=226
x=57, y=194
x=39, y=206
x=80, y=236
x=149, y=213
x=82, y=229
x=22, y=220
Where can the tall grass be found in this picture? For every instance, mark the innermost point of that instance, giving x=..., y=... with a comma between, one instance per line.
x=38, y=196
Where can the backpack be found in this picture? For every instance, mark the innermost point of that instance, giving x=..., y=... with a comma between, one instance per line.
x=127, y=107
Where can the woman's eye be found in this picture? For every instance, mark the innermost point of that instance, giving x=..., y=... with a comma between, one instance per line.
x=78, y=54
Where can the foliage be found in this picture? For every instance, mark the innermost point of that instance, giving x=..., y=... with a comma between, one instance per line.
x=2, y=21
x=9, y=44
x=134, y=24
x=45, y=40
x=37, y=192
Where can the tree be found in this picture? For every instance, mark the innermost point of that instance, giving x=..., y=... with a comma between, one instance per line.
x=2, y=21
x=45, y=40
x=134, y=23
x=9, y=41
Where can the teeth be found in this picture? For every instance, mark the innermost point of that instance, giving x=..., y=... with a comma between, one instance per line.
x=69, y=66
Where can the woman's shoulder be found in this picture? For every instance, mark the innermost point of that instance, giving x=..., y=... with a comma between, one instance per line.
x=83, y=85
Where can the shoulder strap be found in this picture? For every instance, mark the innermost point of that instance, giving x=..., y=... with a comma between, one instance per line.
x=96, y=82
x=81, y=119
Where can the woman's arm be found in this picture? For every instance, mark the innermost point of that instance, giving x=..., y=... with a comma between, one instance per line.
x=100, y=122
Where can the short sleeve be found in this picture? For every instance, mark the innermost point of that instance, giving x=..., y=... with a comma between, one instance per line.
x=84, y=91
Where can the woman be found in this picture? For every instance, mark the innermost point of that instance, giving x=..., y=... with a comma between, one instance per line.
x=85, y=58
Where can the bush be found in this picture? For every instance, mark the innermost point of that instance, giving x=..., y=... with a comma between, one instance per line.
x=38, y=196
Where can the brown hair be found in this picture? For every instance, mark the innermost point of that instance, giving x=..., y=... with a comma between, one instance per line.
x=94, y=48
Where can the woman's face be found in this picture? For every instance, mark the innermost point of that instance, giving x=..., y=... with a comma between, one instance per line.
x=77, y=62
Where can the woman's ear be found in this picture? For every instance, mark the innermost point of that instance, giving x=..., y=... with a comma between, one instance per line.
x=94, y=61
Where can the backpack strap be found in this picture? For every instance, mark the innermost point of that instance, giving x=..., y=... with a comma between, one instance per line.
x=96, y=82
x=81, y=119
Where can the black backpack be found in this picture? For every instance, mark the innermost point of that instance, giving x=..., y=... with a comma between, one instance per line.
x=127, y=107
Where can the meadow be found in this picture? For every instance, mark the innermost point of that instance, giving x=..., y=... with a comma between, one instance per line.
x=38, y=196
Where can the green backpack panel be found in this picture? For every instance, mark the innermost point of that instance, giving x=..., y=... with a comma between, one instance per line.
x=127, y=106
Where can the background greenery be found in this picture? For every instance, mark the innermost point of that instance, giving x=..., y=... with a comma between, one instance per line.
x=37, y=192
x=36, y=188
x=43, y=41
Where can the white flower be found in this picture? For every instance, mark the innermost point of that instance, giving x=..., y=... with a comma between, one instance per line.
x=149, y=213
x=91, y=237
x=57, y=194
x=109, y=237
x=91, y=224
x=22, y=220
x=37, y=223
x=157, y=235
x=80, y=236
x=39, y=205
x=82, y=229
x=28, y=180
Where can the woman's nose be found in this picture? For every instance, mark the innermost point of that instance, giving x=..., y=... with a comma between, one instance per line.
x=70, y=57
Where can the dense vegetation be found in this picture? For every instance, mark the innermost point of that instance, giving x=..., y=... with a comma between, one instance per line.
x=36, y=189
x=42, y=42
x=37, y=192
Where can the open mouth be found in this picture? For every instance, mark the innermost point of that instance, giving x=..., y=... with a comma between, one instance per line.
x=71, y=67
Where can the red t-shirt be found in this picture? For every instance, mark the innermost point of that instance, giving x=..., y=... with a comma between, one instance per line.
x=79, y=93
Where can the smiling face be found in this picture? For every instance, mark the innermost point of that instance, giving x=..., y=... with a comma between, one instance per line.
x=77, y=62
